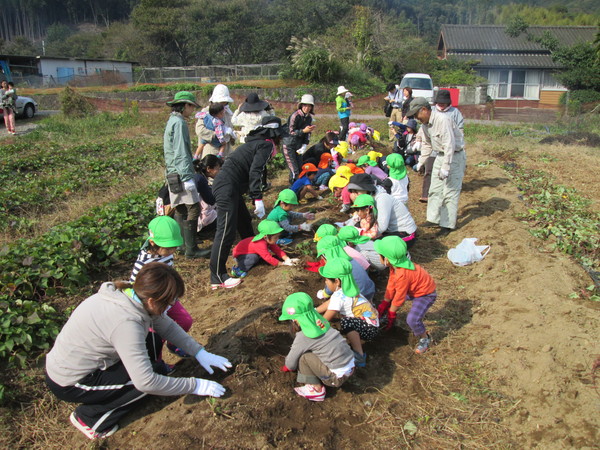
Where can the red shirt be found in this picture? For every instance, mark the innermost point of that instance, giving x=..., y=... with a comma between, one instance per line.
x=414, y=283
x=261, y=248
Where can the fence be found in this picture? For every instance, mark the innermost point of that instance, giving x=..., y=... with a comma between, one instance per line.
x=208, y=74
x=104, y=78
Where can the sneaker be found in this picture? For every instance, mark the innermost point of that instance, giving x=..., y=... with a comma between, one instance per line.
x=237, y=272
x=228, y=284
x=162, y=368
x=89, y=433
x=309, y=392
x=284, y=241
x=177, y=351
x=423, y=345
x=360, y=360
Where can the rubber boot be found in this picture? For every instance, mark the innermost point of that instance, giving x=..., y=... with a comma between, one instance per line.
x=179, y=219
x=189, y=239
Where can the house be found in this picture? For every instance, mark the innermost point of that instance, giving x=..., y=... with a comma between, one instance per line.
x=520, y=72
x=51, y=71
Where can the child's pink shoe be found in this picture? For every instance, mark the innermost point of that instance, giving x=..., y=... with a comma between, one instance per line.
x=309, y=392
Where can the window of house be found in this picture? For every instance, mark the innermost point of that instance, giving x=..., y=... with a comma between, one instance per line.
x=505, y=84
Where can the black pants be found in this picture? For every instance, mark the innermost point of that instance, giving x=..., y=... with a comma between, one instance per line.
x=232, y=215
x=293, y=161
x=105, y=395
x=345, y=122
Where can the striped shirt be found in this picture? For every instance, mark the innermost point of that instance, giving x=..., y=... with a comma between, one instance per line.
x=144, y=258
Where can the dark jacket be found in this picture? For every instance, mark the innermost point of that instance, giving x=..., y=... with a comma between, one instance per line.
x=245, y=166
x=314, y=153
x=406, y=105
x=296, y=123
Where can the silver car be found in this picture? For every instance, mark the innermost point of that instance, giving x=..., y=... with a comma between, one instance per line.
x=26, y=107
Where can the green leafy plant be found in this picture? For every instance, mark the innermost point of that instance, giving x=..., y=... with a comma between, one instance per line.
x=74, y=104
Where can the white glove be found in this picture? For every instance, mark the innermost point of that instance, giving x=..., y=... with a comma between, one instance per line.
x=297, y=260
x=418, y=167
x=305, y=226
x=309, y=216
x=345, y=208
x=302, y=150
x=390, y=123
x=287, y=262
x=323, y=295
x=443, y=174
x=189, y=185
x=352, y=221
x=259, y=209
x=207, y=387
x=207, y=360
x=319, y=197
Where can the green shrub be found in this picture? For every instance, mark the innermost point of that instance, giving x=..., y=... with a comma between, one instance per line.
x=144, y=88
x=577, y=99
x=73, y=104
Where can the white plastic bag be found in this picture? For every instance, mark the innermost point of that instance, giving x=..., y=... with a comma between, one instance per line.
x=467, y=252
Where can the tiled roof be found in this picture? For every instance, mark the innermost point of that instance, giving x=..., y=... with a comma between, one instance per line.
x=523, y=61
x=485, y=38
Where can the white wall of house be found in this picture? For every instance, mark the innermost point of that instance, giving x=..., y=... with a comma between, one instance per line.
x=523, y=84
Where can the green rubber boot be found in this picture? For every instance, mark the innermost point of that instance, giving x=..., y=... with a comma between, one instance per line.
x=189, y=239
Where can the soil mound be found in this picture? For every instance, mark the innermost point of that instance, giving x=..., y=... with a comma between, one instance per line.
x=581, y=138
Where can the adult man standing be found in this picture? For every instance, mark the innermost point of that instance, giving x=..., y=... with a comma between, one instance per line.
x=395, y=98
x=180, y=171
x=443, y=136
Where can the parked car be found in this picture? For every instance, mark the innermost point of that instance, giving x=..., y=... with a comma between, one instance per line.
x=421, y=85
x=26, y=107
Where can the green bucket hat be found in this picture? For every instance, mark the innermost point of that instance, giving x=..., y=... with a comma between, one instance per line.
x=325, y=230
x=342, y=269
x=396, y=164
x=299, y=306
x=350, y=234
x=267, y=228
x=184, y=97
x=164, y=231
x=394, y=249
x=332, y=248
x=287, y=196
x=365, y=200
x=364, y=159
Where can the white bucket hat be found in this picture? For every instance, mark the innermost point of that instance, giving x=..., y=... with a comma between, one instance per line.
x=220, y=94
x=307, y=99
x=341, y=90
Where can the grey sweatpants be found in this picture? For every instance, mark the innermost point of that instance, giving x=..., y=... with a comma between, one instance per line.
x=442, y=207
x=311, y=370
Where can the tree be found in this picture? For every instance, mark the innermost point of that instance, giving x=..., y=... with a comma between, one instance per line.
x=581, y=66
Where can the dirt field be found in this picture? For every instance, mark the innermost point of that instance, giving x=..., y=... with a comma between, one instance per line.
x=510, y=366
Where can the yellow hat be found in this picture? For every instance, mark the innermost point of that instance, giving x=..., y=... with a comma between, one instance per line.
x=342, y=148
x=373, y=155
x=338, y=181
x=344, y=171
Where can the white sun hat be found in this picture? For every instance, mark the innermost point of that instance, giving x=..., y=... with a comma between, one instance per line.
x=220, y=94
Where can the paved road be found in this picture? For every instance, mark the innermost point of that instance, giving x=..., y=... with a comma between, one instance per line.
x=25, y=126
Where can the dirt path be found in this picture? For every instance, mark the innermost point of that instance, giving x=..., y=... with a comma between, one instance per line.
x=510, y=368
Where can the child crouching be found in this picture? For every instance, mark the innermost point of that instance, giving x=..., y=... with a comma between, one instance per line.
x=360, y=319
x=319, y=353
x=407, y=280
x=248, y=252
x=282, y=213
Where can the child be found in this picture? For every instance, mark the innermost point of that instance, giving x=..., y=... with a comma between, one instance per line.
x=324, y=230
x=331, y=247
x=371, y=167
x=360, y=320
x=350, y=236
x=304, y=184
x=357, y=137
x=340, y=153
x=398, y=177
x=282, y=214
x=407, y=280
x=319, y=353
x=338, y=186
x=248, y=252
x=366, y=213
x=213, y=120
x=161, y=245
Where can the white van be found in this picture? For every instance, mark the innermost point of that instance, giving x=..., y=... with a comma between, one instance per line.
x=421, y=85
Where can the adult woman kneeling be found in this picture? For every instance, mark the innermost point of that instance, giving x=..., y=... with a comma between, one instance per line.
x=103, y=356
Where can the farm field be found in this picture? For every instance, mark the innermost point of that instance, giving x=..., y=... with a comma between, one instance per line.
x=516, y=335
